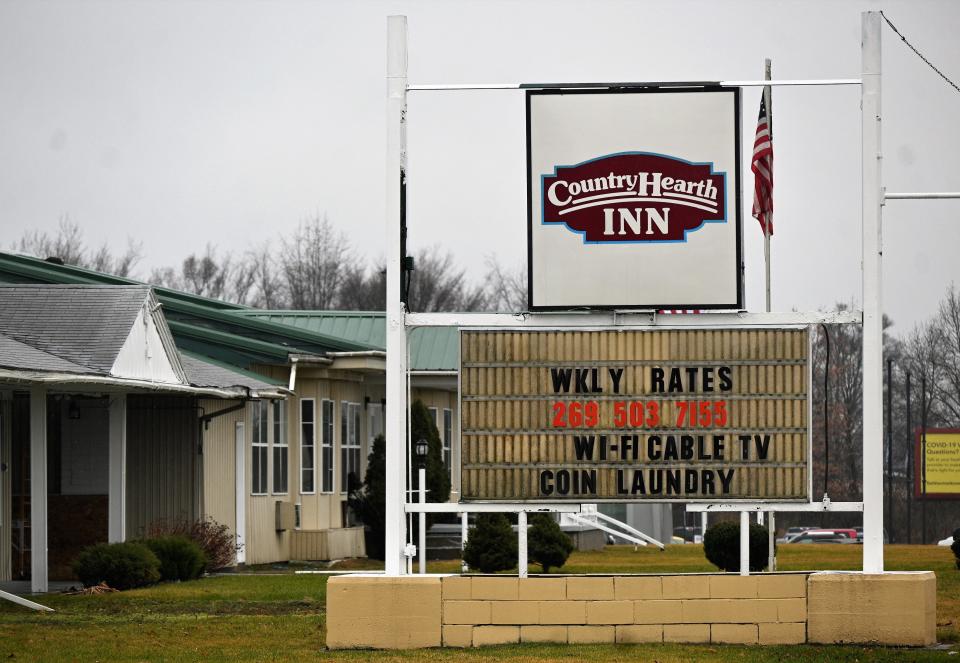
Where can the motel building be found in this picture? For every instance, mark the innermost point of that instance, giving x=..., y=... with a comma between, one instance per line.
x=122, y=405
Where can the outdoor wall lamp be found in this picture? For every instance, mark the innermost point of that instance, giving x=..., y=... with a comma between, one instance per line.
x=422, y=448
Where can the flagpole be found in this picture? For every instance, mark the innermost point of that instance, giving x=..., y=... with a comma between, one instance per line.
x=767, y=217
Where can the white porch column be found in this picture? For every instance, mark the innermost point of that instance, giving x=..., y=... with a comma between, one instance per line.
x=117, y=513
x=38, y=489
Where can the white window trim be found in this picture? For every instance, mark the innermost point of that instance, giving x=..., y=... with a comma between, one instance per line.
x=275, y=443
x=355, y=419
x=446, y=445
x=255, y=430
x=333, y=447
x=313, y=402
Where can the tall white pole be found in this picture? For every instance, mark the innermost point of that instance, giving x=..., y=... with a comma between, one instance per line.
x=464, y=534
x=872, y=298
x=767, y=220
x=772, y=543
x=396, y=407
x=744, y=543
x=422, y=521
x=522, y=544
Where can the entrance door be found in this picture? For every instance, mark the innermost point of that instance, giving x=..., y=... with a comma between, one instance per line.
x=241, y=498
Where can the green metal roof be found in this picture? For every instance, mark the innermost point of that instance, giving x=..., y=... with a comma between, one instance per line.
x=241, y=336
x=431, y=348
x=200, y=313
x=16, y=268
x=365, y=327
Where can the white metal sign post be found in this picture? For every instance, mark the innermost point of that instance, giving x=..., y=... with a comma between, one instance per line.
x=872, y=299
x=396, y=392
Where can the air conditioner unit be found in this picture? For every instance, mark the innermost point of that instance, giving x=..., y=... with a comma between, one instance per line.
x=286, y=516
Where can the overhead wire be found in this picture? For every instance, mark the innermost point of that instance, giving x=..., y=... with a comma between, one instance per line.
x=919, y=54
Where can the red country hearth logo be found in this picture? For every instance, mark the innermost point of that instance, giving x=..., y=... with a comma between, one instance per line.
x=634, y=197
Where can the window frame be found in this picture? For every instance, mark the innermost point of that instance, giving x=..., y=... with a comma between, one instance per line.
x=278, y=426
x=350, y=445
x=259, y=446
x=446, y=440
x=328, y=445
x=313, y=445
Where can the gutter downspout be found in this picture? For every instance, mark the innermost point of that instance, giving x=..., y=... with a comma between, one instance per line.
x=293, y=373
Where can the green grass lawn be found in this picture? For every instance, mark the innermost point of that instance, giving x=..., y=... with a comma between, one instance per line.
x=269, y=617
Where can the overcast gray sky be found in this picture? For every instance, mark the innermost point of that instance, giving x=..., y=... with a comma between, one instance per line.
x=185, y=123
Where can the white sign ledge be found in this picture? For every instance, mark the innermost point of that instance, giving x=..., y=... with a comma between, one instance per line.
x=632, y=319
x=779, y=507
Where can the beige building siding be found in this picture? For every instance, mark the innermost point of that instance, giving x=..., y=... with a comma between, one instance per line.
x=320, y=509
x=6, y=495
x=162, y=461
x=219, y=463
x=324, y=510
x=264, y=544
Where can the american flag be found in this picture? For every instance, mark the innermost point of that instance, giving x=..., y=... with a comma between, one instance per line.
x=762, y=167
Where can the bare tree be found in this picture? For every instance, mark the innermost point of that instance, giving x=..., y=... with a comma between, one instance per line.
x=314, y=264
x=945, y=355
x=208, y=275
x=68, y=245
x=267, y=288
x=438, y=285
x=506, y=288
x=365, y=290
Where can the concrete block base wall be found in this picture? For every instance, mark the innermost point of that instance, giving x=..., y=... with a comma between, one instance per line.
x=471, y=611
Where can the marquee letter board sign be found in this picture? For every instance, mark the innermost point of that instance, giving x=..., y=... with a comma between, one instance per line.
x=633, y=198
x=624, y=415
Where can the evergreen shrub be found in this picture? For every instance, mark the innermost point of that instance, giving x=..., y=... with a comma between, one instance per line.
x=492, y=544
x=721, y=545
x=119, y=565
x=547, y=544
x=180, y=558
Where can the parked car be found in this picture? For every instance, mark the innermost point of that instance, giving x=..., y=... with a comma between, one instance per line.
x=794, y=531
x=821, y=536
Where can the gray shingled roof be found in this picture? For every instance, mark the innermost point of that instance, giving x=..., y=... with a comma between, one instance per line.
x=14, y=354
x=204, y=373
x=85, y=325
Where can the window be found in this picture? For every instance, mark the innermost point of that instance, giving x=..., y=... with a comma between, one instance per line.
x=281, y=452
x=349, y=444
x=259, y=465
x=327, y=448
x=447, y=436
x=308, y=437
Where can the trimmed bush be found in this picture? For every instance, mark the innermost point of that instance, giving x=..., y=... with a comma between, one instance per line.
x=120, y=565
x=180, y=558
x=955, y=546
x=721, y=545
x=547, y=545
x=492, y=544
x=215, y=540
x=369, y=501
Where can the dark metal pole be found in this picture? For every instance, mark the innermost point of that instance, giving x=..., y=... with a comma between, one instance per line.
x=923, y=459
x=889, y=515
x=910, y=448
